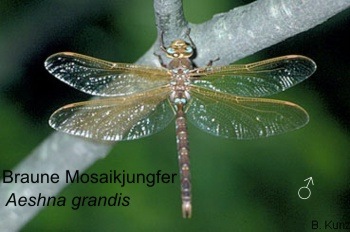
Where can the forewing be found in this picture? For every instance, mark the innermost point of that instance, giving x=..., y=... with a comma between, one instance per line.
x=114, y=119
x=257, y=79
x=103, y=78
x=229, y=116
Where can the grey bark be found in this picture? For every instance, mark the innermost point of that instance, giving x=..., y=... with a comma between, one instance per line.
x=231, y=35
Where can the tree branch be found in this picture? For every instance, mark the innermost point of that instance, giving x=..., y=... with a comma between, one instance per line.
x=232, y=35
x=251, y=28
x=56, y=154
x=248, y=29
x=169, y=16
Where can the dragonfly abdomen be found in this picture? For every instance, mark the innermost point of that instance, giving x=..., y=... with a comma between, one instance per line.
x=184, y=161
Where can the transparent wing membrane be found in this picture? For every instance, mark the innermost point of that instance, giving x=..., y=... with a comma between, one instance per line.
x=230, y=116
x=103, y=78
x=257, y=79
x=142, y=100
x=114, y=119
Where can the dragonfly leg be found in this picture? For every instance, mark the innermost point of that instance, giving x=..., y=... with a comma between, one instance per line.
x=160, y=60
x=162, y=47
x=210, y=63
x=188, y=31
x=161, y=40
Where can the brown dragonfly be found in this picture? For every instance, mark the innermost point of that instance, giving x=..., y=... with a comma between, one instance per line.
x=142, y=100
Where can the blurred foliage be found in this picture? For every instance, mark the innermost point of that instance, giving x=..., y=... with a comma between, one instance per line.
x=237, y=185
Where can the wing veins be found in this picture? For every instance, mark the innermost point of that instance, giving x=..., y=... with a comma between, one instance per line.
x=256, y=79
x=104, y=78
x=225, y=115
x=95, y=119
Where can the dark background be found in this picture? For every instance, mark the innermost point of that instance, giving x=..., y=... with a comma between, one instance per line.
x=237, y=185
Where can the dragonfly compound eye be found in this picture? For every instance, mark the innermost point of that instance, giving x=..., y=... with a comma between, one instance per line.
x=170, y=51
x=189, y=49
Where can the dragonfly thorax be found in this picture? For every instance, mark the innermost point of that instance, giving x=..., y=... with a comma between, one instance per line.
x=180, y=85
x=180, y=64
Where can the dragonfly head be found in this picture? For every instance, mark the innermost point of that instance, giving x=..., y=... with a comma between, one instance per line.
x=179, y=49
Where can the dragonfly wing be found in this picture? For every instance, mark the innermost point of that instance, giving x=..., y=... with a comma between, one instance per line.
x=114, y=119
x=230, y=116
x=257, y=79
x=103, y=78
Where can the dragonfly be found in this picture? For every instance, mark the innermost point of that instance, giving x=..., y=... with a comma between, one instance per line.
x=138, y=101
